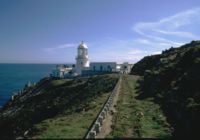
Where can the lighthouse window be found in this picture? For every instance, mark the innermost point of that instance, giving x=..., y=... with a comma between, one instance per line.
x=80, y=51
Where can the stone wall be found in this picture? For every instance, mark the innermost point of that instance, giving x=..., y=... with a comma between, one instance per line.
x=98, y=122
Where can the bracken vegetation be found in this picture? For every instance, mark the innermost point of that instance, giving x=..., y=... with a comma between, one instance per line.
x=172, y=79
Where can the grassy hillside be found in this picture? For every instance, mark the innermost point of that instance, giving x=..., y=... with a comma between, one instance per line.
x=172, y=79
x=60, y=104
x=70, y=124
x=137, y=118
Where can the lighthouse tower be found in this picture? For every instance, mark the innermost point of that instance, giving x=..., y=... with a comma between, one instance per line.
x=82, y=62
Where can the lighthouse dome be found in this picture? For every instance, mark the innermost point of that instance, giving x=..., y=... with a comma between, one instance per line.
x=82, y=45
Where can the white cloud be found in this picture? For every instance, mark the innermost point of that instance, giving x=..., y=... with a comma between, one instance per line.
x=127, y=50
x=117, y=57
x=144, y=41
x=137, y=52
x=66, y=46
x=110, y=49
x=173, y=22
x=154, y=37
x=156, y=52
x=63, y=46
x=177, y=33
x=174, y=26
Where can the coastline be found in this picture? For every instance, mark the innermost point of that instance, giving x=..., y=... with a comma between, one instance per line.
x=15, y=76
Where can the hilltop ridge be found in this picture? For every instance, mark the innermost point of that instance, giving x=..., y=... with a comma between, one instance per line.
x=173, y=78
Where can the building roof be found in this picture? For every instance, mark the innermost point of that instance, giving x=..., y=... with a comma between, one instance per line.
x=103, y=62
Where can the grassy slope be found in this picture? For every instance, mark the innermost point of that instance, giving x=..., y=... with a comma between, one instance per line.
x=59, y=102
x=73, y=125
x=128, y=124
x=172, y=79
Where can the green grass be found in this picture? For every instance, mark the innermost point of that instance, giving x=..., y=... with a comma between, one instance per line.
x=127, y=122
x=59, y=82
x=60, y=109
x=70, y=124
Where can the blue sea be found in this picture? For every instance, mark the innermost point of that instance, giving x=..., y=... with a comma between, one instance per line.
x=13, y=77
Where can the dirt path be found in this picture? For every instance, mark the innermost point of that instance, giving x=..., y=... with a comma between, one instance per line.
x=134, y=117
x=106, y=127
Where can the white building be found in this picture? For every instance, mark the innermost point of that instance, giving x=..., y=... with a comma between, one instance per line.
x=62, y=71
x=125, y=68
x=82, y=60
x=103, y=66
x=84, y=67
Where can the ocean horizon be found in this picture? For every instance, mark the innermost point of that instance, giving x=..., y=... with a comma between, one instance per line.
x=14, y=76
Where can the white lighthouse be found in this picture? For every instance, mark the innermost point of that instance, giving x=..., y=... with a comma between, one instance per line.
x=84, y=68
x=82, y=62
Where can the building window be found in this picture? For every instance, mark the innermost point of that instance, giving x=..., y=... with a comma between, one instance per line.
x=94, y=68
x=109, y=68
x=101, y=68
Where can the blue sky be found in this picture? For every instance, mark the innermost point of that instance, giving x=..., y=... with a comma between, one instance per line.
x=49, y=31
